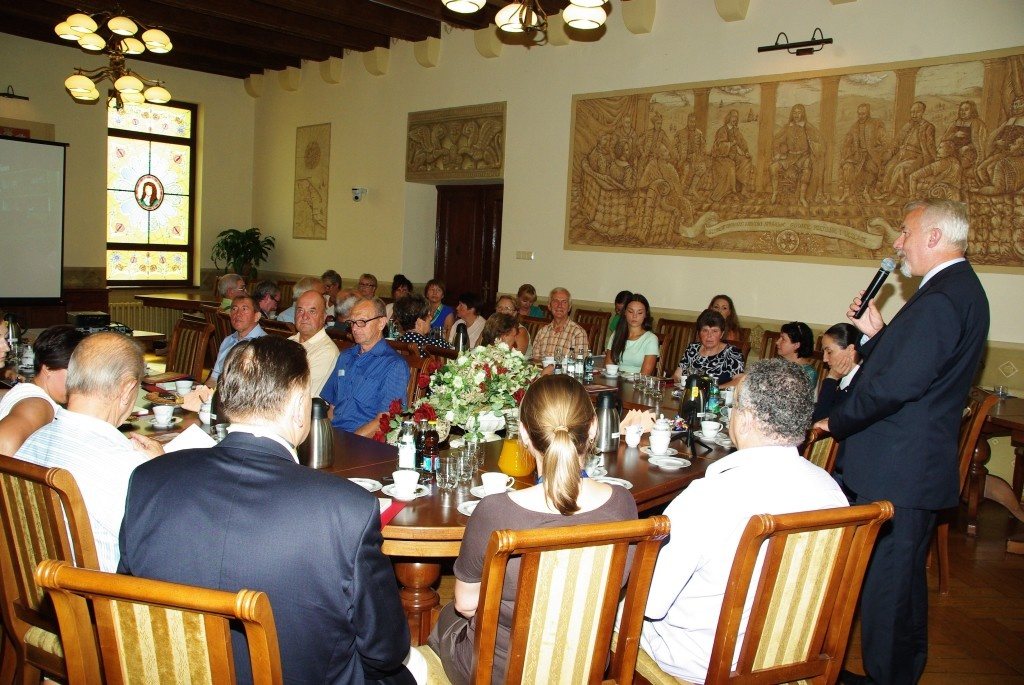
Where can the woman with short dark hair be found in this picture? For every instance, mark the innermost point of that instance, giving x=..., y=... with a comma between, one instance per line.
x=411, y=314
x=796, y=344
x=711, y=355
x=839, y=348
x=468, y=311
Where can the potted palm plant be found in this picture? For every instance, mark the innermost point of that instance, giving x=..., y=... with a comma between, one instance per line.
x=241, y=251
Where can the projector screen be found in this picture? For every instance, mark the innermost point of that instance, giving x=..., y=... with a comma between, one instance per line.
x=31, y=219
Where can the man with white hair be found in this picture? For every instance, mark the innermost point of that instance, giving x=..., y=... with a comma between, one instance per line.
x=899, y=428
x=102, y=383
x=558, y=336
x=229, y=287
x=766, y=475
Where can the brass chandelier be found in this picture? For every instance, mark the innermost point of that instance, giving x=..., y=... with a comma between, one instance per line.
x=113, y=34
x=528, y=15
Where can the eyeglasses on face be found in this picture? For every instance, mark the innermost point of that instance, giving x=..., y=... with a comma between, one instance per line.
x=361, y=323
x=364, y=284
x=505, y=309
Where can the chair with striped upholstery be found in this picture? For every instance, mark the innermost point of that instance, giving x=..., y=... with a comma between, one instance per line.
x=803, y=597
x=821, y=448
x=533, y=324
x=768, y=344
x=675, y=336
x=187, y=350
x=44, y=517
x=150, y=632
x=568, y=593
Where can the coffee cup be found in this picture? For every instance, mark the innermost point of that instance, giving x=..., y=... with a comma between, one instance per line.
x=659, y=441
x=548, y=361
x=495, y=482
x=405, y=483
x=182, y=387
x=611, y=370
x=163, y=414
x=710, y=428
x=205, y=412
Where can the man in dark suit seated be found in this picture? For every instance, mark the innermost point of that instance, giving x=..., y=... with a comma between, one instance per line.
x=899, y=427
x=245, y=514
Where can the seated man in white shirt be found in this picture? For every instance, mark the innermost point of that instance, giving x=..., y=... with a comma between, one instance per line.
x=321, y=352
x=102, y=384
x=766, y=475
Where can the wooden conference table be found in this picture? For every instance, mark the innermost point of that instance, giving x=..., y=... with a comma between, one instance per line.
x=430, y=528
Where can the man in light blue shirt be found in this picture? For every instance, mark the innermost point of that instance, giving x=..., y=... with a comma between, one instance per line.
x=245, y=319
x=368, y=376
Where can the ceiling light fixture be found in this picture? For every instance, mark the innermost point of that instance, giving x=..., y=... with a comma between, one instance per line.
x=525, y=16
x=116, y=40
x=800, y=48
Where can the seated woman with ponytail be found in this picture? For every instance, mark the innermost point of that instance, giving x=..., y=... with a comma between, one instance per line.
x=558, y=426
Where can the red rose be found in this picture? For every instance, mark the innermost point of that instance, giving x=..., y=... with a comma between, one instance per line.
x=395, y=407
x=378, y=436
x=425, y=411
x=502, y=370
x=518, y=395
x=487, y=371
x=385, y=423
x=423, y=381
x=483, y=387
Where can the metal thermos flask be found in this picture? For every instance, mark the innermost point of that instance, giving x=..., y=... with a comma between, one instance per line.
x=317, y=452
x=461, y=337
x=608, y=409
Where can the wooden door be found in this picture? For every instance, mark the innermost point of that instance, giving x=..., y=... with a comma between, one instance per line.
x=468, y=244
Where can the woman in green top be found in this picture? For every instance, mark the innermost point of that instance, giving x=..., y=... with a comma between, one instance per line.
x=620, y=302
x=634, y=347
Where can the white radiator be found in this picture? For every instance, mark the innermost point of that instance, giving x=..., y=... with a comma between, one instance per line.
x=139, y=317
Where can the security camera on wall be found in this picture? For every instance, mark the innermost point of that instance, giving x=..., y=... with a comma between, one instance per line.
x=358, y=194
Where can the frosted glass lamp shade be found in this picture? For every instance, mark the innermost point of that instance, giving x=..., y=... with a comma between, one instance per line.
x=122, y=26
x=157, y=95
x=135, y=98
x=65, y=31
x=516, y=18
x=588, y=3
x=584, y=17
x=132, y=46
x=92, y=41
x=464, y=6
x=79, y=83
x=91, y=96
x=128, y=84
x=156, y=40
x=82, y=23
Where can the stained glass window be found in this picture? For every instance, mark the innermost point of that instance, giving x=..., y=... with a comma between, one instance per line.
x=150, y=153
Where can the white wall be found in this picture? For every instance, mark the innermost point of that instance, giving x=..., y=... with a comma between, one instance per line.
x=225, y=134
x=392, y=230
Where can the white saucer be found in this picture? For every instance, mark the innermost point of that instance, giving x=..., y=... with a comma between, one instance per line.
x=174, y=420
x=670, y=452
x=597, y=472
x=614, y=481
x=700, y=434
x=723, y=440
x=467, y=508
x=420, y=491
x=611, y=375
x=478, y=491
x=669, y=463
x=367, y=484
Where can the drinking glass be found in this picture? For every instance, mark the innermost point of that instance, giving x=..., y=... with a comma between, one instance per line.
x=448, y=472
x=467, y=466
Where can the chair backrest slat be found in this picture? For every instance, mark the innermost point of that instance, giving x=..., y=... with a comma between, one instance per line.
x=675, y=336
x=598, y=334
x=188, y=347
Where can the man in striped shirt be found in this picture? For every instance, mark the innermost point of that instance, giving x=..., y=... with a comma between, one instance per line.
x=103, y=381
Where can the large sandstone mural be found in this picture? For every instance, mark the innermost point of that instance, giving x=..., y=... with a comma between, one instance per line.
x=819, y=166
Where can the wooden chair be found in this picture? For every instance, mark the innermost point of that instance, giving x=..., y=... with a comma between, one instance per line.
x=821, y=449
x=287, y=294
x=600, y=319
x=768, y=344
x=744, y=348
x=281, y=329
x=819, y=367
x=343, y=340
x=546, y=312
x=44, y=517
x=675, y=336
x=568, y=594
x=593, y=330
x=223, y=324
x=441, y=353
x=411, y=354
x=209, y=313
x=149, y=631
x=533, y=324
x=979, y=402
x=804, y=596
x=188, y=347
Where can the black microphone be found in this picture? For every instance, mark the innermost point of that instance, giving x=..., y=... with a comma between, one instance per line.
x=888, y=264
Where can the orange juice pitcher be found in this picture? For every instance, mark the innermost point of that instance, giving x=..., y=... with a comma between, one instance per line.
x=515, y=459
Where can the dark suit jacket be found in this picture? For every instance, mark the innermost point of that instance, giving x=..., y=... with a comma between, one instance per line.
x=900, y=422
x=244, y=515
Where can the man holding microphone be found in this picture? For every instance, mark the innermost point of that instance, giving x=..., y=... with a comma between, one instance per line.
x=899, y=428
